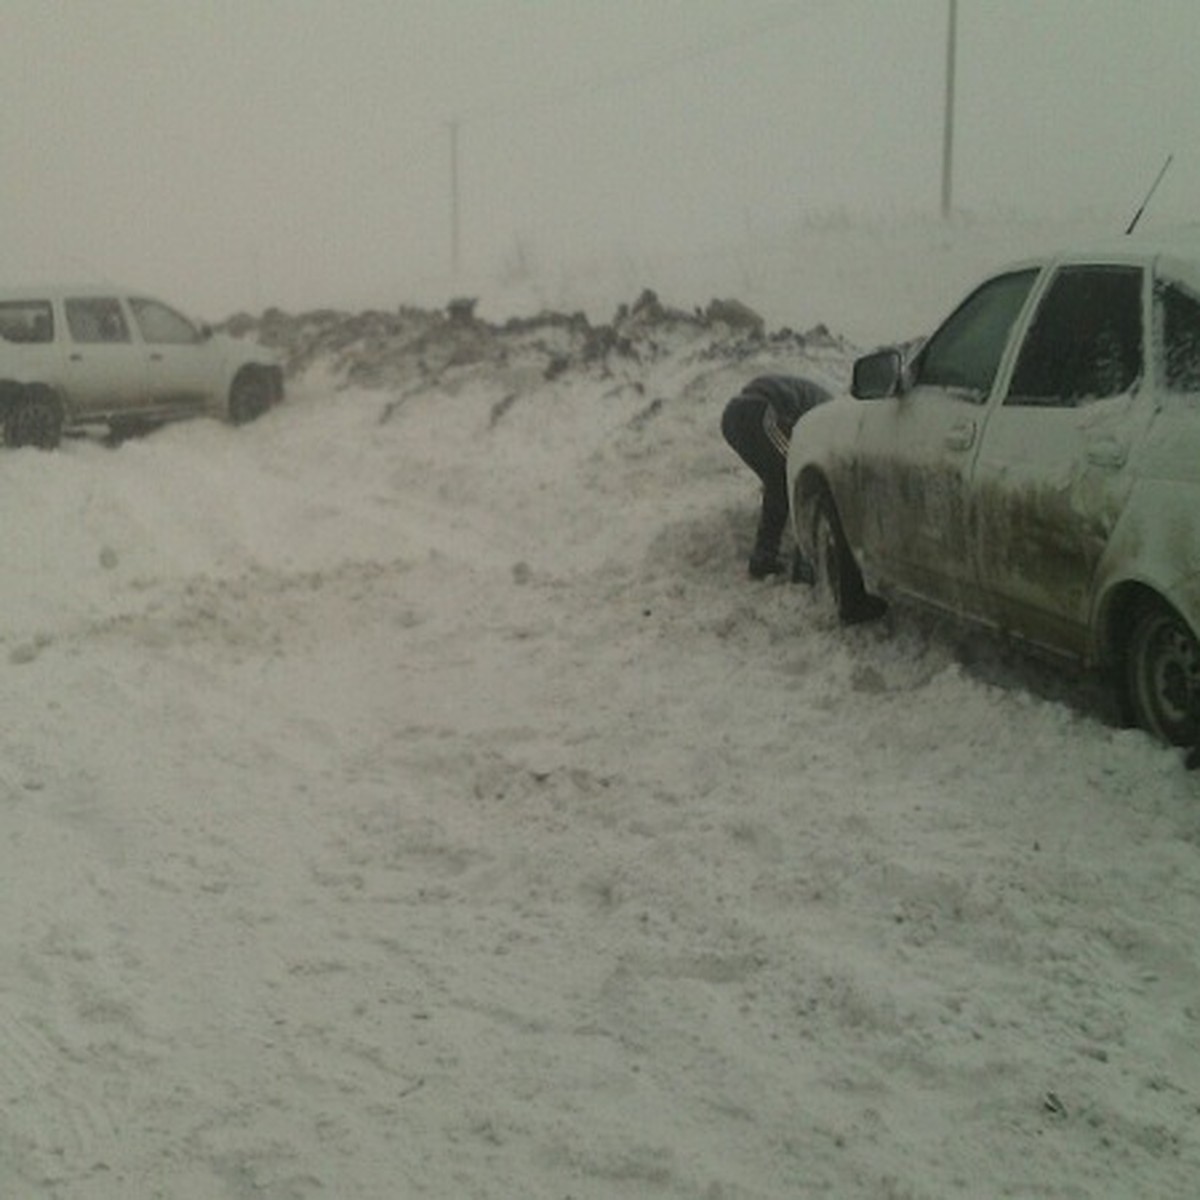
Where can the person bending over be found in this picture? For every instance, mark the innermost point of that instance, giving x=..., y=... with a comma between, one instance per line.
x=758, y=424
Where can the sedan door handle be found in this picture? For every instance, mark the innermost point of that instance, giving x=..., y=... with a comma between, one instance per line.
x=961, y=436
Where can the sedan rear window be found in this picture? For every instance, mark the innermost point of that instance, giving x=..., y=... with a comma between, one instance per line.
x=28, y=321
x=1181, y=338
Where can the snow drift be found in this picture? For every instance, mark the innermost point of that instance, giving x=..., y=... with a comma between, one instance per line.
x=408, y=795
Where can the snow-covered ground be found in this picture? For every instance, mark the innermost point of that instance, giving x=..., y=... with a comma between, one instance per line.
x=409, y=796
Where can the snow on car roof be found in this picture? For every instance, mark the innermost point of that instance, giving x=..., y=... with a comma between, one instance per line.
x=47, y=291
x=1175, y=253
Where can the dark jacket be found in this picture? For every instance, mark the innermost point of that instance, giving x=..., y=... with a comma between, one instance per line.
x=789, y=396
x=786, y=398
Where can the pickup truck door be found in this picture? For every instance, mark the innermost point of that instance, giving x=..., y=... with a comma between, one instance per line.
x=103, y=371
x=915, y=452
x=182, y=370
x=1051, y=477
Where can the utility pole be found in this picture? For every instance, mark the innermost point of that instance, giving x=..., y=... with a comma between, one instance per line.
x=454, y=236
x=948, y=128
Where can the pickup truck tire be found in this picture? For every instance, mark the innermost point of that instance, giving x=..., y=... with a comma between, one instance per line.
x=838, y=581
x=1163, y=675
x=34, y=419
x=249, y=396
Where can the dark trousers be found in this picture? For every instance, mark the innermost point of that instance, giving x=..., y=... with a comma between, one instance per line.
x=743, y=425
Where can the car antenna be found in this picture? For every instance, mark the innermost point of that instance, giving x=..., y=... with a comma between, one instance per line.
x=1137, y=216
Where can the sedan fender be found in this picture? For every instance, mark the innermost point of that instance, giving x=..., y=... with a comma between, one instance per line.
x=818, y=463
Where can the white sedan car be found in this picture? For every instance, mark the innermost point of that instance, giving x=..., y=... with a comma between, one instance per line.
x=75, y=356
x=1035, y=467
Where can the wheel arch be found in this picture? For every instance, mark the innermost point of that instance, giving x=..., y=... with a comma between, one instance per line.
x=270, y=373
x=246, y=370
x=1116, y=618
x=37, y=388
x=1158, y=653
x=811, y=481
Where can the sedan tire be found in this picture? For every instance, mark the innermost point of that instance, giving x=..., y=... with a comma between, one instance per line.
x=1163, y=676
x=838, y=581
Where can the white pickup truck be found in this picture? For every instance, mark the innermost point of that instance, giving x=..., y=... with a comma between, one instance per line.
x=85, y=355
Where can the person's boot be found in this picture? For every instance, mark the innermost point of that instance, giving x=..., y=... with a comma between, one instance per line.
x=765, y=559
x=764, y=563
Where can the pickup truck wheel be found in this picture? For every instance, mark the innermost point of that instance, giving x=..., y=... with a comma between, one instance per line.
x=249, y=397
x=838, y=581
x=35, y=419
x=1163, y=676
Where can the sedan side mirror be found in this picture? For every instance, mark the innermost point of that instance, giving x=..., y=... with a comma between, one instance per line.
x=877, y=375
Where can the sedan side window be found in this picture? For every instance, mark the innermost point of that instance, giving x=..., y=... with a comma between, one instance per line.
x=96, y=319
x=163, y=326
x=1085, y=342
x=965, y=352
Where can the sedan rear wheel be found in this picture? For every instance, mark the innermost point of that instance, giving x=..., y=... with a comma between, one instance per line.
x=1163, y=676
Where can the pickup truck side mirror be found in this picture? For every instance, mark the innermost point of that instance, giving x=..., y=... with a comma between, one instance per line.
x=877, y=375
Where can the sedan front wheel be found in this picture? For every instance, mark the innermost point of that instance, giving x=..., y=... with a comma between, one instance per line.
x=838, y=582
x=1163, y=676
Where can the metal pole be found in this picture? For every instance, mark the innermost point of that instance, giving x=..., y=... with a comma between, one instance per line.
x=948, y=129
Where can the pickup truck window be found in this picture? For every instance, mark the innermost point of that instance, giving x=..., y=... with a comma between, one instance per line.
x=26, y=321
x=163, y=326
x=1180, y=314
x=965, y=352
x=1085, y=341
x=96, y=319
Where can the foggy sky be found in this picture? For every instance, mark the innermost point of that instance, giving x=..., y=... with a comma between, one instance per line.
x=238, y=153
